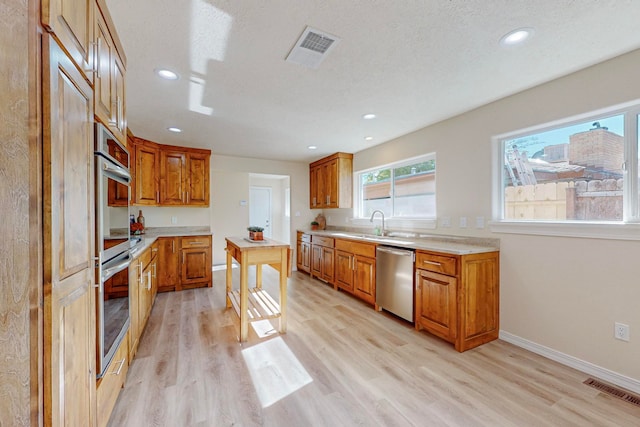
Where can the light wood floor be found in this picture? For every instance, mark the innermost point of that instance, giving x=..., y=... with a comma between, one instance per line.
x=343, y=364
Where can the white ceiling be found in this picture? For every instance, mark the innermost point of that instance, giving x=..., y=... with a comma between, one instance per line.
x=412, y=63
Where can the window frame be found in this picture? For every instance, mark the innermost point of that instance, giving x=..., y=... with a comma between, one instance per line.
x=403, y=222
x=627, y=229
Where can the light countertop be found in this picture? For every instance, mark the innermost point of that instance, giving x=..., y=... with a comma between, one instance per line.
x=446, y=244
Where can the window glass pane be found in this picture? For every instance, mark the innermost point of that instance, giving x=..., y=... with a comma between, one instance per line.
x=414, y=189
x=376, y=192
x=568, y=173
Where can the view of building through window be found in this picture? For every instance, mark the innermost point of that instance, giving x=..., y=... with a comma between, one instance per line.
x=404, y=189
x=569, y=173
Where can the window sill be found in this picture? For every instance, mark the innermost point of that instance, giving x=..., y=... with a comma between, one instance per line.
x=589, y=230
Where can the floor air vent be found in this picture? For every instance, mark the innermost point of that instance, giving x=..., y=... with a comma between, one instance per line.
x=312, y=47
x=614, y=391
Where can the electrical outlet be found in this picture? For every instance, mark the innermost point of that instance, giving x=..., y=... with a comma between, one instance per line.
x=621, y=331
x=445, y=221
x=174, y=220
x=463, y=222
x=479, y=222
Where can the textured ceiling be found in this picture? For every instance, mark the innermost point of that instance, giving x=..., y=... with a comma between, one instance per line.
x=413, y=63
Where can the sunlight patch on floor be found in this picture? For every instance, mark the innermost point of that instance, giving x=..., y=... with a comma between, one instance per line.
x=275, y=370
x=263, y=328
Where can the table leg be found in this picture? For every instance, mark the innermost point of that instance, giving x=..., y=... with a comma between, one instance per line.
x=244, y=296
x=284, y=259
x=259, y=276
x=229, y=280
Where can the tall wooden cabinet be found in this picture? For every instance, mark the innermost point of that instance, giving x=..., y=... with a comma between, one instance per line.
x=331, y=182
x=68, y=248
x=457, y=297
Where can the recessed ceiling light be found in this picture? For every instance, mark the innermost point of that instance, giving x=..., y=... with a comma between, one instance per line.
x=312, y=147
x=369, y=116
x=166, y=74
x=368, y=138
x=174, y=129
x=515, y=37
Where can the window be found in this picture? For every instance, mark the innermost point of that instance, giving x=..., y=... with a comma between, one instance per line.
x=583, y=170
x=405, y=189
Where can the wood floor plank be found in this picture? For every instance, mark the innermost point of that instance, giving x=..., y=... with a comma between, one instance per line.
x=367, y=368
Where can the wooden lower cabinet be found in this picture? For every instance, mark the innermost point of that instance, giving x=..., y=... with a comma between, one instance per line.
x=195, y=254
x=344, y=270
x=322, y=258
x=168, y=264
x=108, y=387
x=457, y=297
x=364, y=283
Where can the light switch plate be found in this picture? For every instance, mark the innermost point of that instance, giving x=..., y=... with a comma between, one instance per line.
x=479, y=222
x=445, y=222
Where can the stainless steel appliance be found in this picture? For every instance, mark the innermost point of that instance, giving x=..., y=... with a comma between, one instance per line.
x=113, y=245
x=394, y=281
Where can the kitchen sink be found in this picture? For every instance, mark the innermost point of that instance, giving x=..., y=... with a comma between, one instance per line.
x=373, y=238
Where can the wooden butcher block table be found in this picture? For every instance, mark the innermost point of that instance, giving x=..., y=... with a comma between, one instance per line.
x=254, y=304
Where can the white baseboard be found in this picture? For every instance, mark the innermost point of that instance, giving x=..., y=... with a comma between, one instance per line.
x=573, y=362
x=223, y=267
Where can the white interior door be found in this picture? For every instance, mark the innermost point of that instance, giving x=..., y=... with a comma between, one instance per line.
x=260, y=208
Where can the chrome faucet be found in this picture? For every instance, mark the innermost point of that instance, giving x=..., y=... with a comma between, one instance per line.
x=382, y=232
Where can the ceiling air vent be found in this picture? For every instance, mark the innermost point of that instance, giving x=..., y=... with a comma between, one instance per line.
x=312, y=47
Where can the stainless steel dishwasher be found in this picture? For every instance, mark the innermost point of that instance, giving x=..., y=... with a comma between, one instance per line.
x=394, y=281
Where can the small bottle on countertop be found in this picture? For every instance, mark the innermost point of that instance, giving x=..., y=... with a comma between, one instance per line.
x=141, y=220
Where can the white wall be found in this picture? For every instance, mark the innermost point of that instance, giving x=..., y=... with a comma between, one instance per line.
x=563, y=293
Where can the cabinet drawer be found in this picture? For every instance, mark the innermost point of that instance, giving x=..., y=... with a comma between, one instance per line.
x=145, y=257
x=356, y=248
x=305, y=238
x=322, y=241
x=437, y=263
x=195, y=242
x=110, y=384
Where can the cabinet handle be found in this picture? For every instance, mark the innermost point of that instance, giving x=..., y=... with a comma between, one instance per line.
x=173, y=246
x=431, y=262
x=140, y=270
x=148, y=280
x=187, y=197
x=328, y=197
x=183, y=257
x=314, y=201
x=119, y=367
x=154, y=270
x=157, y=196
x=96, y=64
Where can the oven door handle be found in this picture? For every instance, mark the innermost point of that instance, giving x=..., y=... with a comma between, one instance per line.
x=118, y=173
x=108, y=270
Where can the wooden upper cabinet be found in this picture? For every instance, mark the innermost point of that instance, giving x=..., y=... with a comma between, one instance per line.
x=198, y=175
x=147, y=170
x=166, y=175
x=331, y=182
x=173, y=171
x=72, y=23
x=110, y=76
x=69, y=372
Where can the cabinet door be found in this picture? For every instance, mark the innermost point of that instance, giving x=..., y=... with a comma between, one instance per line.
x=436, y=304
x=134, y=307
x=144, y=297
x=316, y=260
x=344, y=270
x=118, y=124
x=68, y=244
x=118, y=194
x=327, y=264
x=105, y=52
x=306, y=257
x=313, y=187
x=172, y=177
x=72, y=23
x=146, y=175
x=198, y=173
x=299, y=255
x=364, y=283
x=168, y=264
x=330, y=180
x=196, y=267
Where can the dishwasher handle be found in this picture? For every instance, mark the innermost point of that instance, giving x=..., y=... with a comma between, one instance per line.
x=394, y=251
